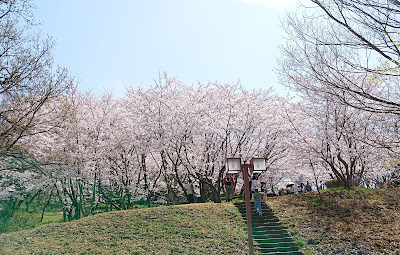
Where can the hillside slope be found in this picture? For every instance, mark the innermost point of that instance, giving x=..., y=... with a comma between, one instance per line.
x=356, y=221
x=184, y=229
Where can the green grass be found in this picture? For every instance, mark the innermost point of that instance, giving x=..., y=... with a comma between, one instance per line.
x=21, y=220
x=24, y=218
x=184, y=229
x=52, y=218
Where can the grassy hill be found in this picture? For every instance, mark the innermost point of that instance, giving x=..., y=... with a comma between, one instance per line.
x=356, y=221
x=184, y=229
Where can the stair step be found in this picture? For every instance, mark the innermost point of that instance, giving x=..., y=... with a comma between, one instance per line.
x=279, y=249
x=274, y=245
x=268, y=224
x=243, y=208
x=280, y=232
x=266, y=221
x=254, y=210
x=263, y=217
x=272, y=231
x=267, y=235
x=264, y=214
x=270, y=236
x=284, y=253
x=265, y=239
x=267, y=228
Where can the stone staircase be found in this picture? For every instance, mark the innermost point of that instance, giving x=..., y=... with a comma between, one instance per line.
x=269, y=235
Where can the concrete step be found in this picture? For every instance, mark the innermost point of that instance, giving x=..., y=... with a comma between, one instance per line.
x=256, y=214
x=264, y=216
x=264, y=213
x=271, y=231
x=263, y=207
x=274, y=245
x=284, y=253
x=268, y=228
x=253, y=209
x=260, y=223
x=278, y=249
x=258, y=220
x=262, y=219
x=270, y=236
x=261, y=239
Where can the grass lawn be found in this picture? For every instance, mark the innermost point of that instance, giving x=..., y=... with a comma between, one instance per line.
x=355, y=221
x=185, y=229
x=51, y=217
x=346, y=221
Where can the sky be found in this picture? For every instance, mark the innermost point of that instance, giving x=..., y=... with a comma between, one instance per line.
x=111, y=45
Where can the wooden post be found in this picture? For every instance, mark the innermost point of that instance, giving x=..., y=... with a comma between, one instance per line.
x=245, y=171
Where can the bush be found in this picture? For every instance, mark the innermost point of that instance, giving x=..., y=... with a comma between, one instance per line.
x=18, y=221
x=333, y=184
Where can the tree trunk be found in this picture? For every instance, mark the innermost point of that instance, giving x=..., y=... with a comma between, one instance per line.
x=44, y=207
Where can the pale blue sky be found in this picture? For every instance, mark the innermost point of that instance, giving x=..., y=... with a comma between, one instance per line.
x=108, y=45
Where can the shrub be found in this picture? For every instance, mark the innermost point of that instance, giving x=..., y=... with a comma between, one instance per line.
x=333, y=184
x=18, y=221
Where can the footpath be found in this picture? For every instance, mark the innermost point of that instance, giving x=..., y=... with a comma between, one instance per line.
x=269, y=235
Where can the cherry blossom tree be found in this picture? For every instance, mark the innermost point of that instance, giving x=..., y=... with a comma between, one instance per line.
x=146, y=145
x=195, y=128
x=27, y=79
x=347, y=50
x=334, y=136
x=30, y=89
